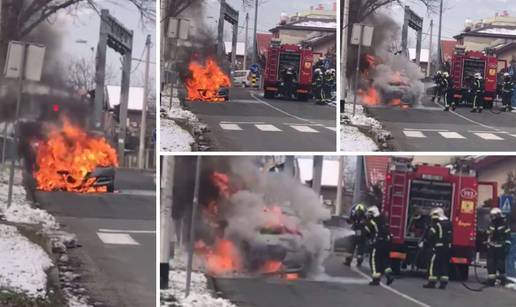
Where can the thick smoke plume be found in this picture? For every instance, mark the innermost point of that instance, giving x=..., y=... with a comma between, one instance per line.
x=393, y=75
x=248, y=204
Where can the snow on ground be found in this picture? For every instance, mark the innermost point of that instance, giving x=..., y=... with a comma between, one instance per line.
x=351, y=138
x=200, y=295
x=174, y=138
x=23, y=263
x=20, y=210
x=512, y=285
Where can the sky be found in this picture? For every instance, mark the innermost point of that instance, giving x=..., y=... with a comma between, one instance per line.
x=269, y=13
x=84, y=26
x=455, y=12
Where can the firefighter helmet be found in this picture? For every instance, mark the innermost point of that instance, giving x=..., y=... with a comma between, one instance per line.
x=437, y=213
x=495, y=213
x=445, y=74
x=359, y=207
x=373, y=211
x=506, y=74
x=477, y=75
x=438, y=72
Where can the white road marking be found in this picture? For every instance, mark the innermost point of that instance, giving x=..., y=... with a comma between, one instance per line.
x=126, y=231
x=304, y=129
x=514, y=135
x=414, y=134
x=280, y=110
x=233, y=127
x=241, y=123
x=403, y=295
x=331, y=128
x=425, y=129
x=451, y=135
x=488, y=136
x=117, y=238
x=267, y=128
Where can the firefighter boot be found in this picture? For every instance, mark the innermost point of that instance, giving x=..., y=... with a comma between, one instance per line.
x=490, y=282
x=446, y=108
x=388, y=275
x=473, y=110
x=375, y=282
x=443, y=284
x=503, y=280
x=429, y=285
x=347, y=262
x=453, y=106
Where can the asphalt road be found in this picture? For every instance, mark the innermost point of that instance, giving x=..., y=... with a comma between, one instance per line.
x=344, y=286
x=427, y=127
x=117, y=232
x=249, y=122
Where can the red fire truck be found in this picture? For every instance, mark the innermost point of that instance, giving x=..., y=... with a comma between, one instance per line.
x=281, y=57
x=464, y=64
x=412, y=191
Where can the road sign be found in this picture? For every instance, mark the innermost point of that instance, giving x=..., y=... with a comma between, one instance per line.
x=367, y=35
x=34, y=64
x=506, y=203
x=178, y=28
x=254, y=68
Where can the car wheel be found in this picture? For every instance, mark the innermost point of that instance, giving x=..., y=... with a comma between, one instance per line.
x=111, y=187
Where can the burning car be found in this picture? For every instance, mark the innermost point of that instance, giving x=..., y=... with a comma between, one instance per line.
x=207, y=82
x=70, y=159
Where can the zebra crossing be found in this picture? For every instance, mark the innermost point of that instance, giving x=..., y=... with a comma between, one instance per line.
x=463, y=135
x=267, y=127
x=120, y=237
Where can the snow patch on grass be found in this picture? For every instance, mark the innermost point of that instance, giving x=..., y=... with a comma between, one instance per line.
x=23, y=264
x=351, y=139
x=174, y=138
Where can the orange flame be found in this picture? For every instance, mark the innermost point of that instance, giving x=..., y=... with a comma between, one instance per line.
x=221, y=258
x=271, y=266
x=369, y=96
x=291, y=276
x=205, y=81
x=67, y=156
x=221, y=181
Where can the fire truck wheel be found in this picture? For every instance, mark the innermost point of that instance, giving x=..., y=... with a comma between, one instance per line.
x=396, y=266
x=459, y=272
x=268, y=94
x=302, y=97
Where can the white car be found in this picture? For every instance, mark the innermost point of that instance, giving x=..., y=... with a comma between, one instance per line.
x=241, y=77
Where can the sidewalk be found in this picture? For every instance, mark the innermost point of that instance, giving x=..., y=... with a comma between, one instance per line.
x=200, y=295
x=172, y=136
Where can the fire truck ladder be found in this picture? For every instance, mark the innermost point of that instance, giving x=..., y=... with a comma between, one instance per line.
x=397, y=204
x=273, y=65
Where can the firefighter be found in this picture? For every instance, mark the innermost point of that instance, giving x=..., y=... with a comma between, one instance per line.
x=439, y=238
x=289, y=78
x=329, y=83
x=498, y=245
x=478, y=93
x=507, y=92
x=377, y=230
x=357, y=219
x=447, y=91
x=437, y=90
x=318, y=85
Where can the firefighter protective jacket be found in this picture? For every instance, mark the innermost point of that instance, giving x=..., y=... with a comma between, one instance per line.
x=478, y=86
x=357, y=219
x=439, y=233
x=377, y=229
x=507, y=86
x=498, y=233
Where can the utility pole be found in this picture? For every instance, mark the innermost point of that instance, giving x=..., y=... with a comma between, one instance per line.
x=429, y=63
x=317, y=174
x=167, y=184
x=245, y=39
x=143, y=122
x=344, y=50
x=340, y=183
x=191, y=241
x=255, y=46
x=439, y=60
x=220, y=30
x=357, y=191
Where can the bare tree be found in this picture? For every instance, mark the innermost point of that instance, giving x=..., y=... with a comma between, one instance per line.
x=80, y=74
x=20, y=17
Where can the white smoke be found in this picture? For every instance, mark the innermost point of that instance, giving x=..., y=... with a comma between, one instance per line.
x=303, y=209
